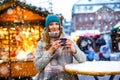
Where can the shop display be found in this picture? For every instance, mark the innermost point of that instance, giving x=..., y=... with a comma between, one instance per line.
x=18, y=45
x=21, y=27
x=20, y=42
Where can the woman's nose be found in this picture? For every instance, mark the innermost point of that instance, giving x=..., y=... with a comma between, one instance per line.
x=54, y=26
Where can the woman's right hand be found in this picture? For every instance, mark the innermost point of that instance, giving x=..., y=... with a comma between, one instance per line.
x=55, y=46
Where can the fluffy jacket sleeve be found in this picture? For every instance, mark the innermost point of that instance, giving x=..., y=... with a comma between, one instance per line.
x=42, y=57
x=80, y=55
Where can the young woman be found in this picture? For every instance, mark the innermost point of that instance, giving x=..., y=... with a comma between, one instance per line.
x=55, y=50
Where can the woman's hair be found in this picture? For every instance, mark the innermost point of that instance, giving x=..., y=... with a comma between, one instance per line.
x=46, y=37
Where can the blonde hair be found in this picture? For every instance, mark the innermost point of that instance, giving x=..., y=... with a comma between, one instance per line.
x=46, y=37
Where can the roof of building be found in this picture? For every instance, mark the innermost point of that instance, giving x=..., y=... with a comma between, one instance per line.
x=82, y=2
x=4, y=5
x=92, y=6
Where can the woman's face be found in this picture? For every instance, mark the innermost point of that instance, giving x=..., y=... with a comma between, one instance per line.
x=54, y=26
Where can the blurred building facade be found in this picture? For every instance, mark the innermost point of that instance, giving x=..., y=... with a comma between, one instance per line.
x=67, y=27
x=100, y=15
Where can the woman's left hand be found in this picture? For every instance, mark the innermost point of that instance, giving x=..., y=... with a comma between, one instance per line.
x=70, y=44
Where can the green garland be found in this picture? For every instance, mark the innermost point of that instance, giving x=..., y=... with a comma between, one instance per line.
x=115, y=29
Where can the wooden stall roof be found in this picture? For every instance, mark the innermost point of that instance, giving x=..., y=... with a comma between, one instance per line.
x=14, y=11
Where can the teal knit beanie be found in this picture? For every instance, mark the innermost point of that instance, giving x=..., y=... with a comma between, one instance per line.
x=51, y=18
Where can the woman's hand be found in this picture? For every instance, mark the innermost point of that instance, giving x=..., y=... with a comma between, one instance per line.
x=70, y=44
x=55, y=46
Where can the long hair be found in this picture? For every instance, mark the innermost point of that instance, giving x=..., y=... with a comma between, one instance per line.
x=46, y=37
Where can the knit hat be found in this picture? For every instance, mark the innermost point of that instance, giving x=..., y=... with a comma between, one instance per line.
x=51, y=18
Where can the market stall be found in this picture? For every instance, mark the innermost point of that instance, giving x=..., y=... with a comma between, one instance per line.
x=115, y=34
x=21, y=27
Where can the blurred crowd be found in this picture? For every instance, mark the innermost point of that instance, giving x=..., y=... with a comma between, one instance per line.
x=95, y=46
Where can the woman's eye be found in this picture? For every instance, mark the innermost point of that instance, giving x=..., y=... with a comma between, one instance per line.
x=54, y=23
x=50, y=24
x=57, y=23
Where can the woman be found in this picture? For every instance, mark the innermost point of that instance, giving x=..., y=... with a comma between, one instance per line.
x=52, y=54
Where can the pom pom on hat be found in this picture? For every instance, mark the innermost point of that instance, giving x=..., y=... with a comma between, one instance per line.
x=51, y=18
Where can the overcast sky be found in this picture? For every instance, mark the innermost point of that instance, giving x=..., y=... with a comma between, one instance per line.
x=58, y=6
x=64, y=7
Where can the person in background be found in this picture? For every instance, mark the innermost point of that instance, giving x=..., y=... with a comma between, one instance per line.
x=100, y=42
x=104, y=49
x=54, y=51
x=104, y=53
x=85, y=44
